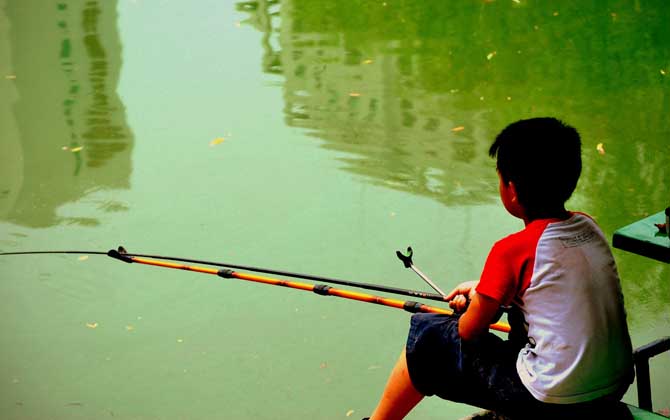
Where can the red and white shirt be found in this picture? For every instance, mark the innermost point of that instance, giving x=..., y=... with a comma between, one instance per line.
x=562, y=275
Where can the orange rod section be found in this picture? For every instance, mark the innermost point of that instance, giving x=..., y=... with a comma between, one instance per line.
x=176, y=266
x=275, y=282
x=347, y=294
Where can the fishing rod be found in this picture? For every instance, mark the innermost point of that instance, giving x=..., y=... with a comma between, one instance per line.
x=319, y=289
x=367, y=286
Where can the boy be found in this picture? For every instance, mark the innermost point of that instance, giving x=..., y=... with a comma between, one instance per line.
x=569, y=352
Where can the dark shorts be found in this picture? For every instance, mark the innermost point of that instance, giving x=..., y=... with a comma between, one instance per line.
x=480, y=373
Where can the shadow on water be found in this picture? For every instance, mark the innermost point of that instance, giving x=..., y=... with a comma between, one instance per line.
x=412, y=95
x=65, y=134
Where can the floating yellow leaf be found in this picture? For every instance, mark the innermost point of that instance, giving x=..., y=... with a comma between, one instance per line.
x=517, y=1
x=83, y=258
x=367, y=62
x=349, y=413
x=600, y=148
x=65, y=148
x=179, y=340
x=323, y=365
x=92, y=325
x=663, y=72
x=130, y=328
x=10, y=77
x=76, y=149
x=217, y=140
x=491, y=55
x=459, y=128
x=354, y=94
x=555, y=13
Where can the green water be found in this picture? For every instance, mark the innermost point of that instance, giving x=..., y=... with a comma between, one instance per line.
x=310, y=136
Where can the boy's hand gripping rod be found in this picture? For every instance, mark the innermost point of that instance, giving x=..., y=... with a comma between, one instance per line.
x=407, y=261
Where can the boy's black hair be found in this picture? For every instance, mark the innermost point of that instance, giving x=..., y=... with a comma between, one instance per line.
x=542, y=156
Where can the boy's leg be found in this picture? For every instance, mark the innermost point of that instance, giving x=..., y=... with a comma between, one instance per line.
x=399, y=396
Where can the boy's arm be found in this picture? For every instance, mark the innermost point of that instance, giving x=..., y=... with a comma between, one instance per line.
x=477, y=318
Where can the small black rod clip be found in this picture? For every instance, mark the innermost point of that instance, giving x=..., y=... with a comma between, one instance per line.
x=119, y=254
x=408, y=263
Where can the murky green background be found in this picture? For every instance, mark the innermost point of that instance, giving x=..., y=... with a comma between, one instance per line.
x=310, y=136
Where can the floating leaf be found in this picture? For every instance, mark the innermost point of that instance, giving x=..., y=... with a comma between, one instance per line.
x=600, y=148
x=76, y=149
x=180, y=340
x=130, y=328
x=349, y=413
x=354, y=94
x=217, y=140
x=663, y=72
x=92, y=325
x=83, y=258
x=555, y=13
x=459, y=128
x=65, y=148
x=323, y=365
x=491, y=55
x=10, y=77
x=367, y=62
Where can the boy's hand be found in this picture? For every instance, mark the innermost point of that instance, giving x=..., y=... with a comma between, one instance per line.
x=460, y=297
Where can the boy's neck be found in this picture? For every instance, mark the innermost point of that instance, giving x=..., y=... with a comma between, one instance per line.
x=560, y=214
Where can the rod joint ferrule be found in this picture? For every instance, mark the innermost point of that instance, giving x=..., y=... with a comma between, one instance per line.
x=226, y=273
x=411, y=306
x=322, y=289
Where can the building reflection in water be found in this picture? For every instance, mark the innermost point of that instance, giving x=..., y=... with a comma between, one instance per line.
x=386, y=97
x=66, y=134
x=414, y=93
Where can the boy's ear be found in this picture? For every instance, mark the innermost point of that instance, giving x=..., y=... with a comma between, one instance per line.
x=513, y=194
